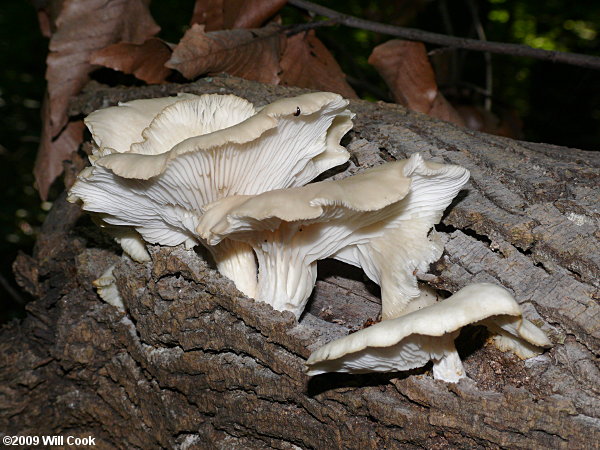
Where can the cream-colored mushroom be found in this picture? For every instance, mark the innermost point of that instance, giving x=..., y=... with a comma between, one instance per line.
x=197, y=149
x=375, y=211
x=408, y=243
x=290, y=229
x=412, y=340
x=106, y=287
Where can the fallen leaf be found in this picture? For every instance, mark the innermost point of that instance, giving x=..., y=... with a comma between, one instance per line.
x=78, y=29
x=146, y=61
x=307, y=63
x=405, y=68
x=53, y=151
x=443, y=109
x=251, y=54
x=477, y=118
x=82, y=28
x=224, y=15
x=44, y=22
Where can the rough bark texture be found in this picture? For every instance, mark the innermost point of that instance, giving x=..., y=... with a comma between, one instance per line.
x=195, y=364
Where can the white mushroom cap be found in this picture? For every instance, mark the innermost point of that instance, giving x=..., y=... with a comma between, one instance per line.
x=290, y=229
x=521, y=337
x=129, y=239
x=408, y=243
x=161, y=191
x=412, y=340
x=106, y=287
x=292, y=140
x=379, y=220
x=116, y=128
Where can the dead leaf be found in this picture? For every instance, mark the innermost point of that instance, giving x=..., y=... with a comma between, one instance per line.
x=251, y=54
x=52, y=152
x=78, y=29
x=477, y=118
x=224, y=15
x=82, y=28
x=408, y=73
x=44, y=22
x=307, y=63
x=146, y=61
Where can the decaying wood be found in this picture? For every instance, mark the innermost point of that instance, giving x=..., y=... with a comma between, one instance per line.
x=195, y=364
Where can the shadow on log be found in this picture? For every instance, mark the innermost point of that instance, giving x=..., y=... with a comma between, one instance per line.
x=195, y=364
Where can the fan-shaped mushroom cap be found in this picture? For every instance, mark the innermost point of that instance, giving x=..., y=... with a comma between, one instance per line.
x=160, y=183
x=412, y=340
x=376, y=219
x=408, y=243
x=106, y=287
x=522, y=338
x=293, y=133
x=290, y=229
x=116, y=128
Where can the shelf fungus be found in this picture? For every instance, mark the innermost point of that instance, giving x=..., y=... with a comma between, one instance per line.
x=382, y=209
x=157, y=162
x=412, y=340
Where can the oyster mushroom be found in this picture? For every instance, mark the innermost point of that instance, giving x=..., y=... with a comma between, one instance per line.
x=412, y=340
x=106, y=287
x=291, y=229
x=156, y=177
x=408, y=243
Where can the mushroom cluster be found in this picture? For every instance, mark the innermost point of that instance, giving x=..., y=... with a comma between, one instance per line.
x=156, y=163
x=215, y=170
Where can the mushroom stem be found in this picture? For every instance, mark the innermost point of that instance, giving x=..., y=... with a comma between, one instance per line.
x=236, y=261
x=447, y=365
x=285, y=281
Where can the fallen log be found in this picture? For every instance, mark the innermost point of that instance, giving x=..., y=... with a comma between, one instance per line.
x=195, y=364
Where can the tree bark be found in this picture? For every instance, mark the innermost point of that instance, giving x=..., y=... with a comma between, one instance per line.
x=195, y=364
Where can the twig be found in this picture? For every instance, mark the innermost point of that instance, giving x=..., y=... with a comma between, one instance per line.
x=488, y=58
x=291, y=30
x=448, y=29
x=501, y=48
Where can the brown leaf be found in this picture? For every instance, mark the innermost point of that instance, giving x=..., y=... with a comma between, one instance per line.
x=52, y=152
x=307, y=63
x=406, y=70
x=146, y=61
x=78, y=29
x=223, y=15
x=443, y=109
x=44, y=22
x=251, y=54
x=477, y=118
x=82, y=28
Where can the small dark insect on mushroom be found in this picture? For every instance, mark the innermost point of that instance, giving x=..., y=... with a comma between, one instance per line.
x=297, y=113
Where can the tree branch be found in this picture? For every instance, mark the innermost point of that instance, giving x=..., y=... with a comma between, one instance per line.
x=501, y=48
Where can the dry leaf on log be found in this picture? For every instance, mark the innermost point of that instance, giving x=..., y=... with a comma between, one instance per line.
x=146, y=61
x=406, y=70
x=251, y=54
x=78, y=29
x=52, y=152
x=222, y=15
x=307, y=63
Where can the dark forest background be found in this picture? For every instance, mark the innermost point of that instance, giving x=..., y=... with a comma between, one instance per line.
x=552, y=103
